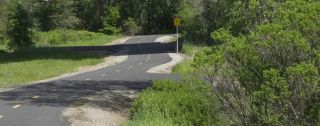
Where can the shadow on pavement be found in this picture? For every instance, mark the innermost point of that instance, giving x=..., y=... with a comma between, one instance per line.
x=116, y=94
x=85, y=52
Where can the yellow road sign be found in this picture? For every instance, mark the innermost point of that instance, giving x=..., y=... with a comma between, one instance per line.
x=177, y=21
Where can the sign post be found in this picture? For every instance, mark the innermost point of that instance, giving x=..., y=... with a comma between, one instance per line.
x=177, y=23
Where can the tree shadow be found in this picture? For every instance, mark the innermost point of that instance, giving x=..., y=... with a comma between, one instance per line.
x=85, y=52
x=116, y=94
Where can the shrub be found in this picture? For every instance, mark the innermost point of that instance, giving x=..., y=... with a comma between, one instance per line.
x=19, y=30
x=110, y=21
x=57, y=37
x=176, y=103
x=130, y=27
x=270, y=76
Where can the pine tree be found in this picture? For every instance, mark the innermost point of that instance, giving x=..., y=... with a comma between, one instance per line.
x=19, y=29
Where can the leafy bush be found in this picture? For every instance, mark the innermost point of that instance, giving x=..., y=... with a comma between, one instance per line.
x=57, y=37
x=110, y=21
x=269, y=76
x=175, y=103
x=19, y=32
x=130, y=27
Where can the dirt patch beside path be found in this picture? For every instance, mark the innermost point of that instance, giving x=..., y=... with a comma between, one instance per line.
x=106, y=108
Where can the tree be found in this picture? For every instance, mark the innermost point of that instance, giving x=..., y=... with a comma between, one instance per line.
x=110, y=21
x=19, y=29
x=45, y=12
x=130, y=27
x=2, y=24
x=65, y=17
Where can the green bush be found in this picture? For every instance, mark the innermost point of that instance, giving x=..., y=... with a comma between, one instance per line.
x=59, y=36
x=175, y=103
x=130, y=27
x=110, y=21
x=269, y=76
x=19, y=33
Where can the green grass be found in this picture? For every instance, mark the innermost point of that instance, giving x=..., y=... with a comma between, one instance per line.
x=96, y=42
x=27, y=65
x=169, y=103
x=185, y=67
x=72, y=38
x=191, y=49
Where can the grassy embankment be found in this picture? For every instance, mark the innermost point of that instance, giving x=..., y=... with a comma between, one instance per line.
x=46, y=61
x=185, y=67
x=169, y=103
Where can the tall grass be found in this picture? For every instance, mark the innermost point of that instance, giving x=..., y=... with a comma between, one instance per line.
x=169, y=103
x=190, y=50
x=71, y=38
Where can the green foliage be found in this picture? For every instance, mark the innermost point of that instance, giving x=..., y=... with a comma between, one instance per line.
x=266, y=66
x=19, y=30
x=177, y=103
x=111, y=20
x=192, y=51
x=130, y=27
x=184, y=67
x=192, y=28
x=45, y=13
x=274, y=93
x=56, y=37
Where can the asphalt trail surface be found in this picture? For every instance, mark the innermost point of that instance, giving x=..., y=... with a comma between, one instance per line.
x=42, y=104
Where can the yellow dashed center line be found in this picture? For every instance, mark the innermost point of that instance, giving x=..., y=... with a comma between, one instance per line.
x=16, y=106
x=35, y=97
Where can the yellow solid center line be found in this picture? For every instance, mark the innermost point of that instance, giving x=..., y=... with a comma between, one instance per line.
x=35, y=97
x=16, y=106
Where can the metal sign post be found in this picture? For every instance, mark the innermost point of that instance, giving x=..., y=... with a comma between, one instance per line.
x=177, y=39
x=177, y=23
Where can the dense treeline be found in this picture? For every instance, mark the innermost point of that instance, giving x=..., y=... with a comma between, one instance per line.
x=200, y=17
x=24, y=17
x=154, y=15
